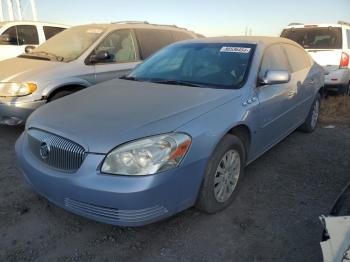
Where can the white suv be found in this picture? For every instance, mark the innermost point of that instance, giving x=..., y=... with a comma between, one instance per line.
x=16, y=36
x=329, y=46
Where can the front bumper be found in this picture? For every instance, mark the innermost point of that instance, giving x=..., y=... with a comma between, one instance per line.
x=117, y=200
x=16, y=112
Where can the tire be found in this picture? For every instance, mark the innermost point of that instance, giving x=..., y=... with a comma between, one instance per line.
x=310, y=123
x=344, y=90
x=347, y=90
x=209, y=200
x=60, y=94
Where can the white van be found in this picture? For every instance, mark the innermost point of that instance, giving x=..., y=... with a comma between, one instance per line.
x=17, y=35
x=329, y=46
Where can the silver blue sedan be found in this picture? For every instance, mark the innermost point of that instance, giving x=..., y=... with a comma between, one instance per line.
x=176, y=132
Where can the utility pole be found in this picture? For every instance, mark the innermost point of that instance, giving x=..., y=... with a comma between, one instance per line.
x=1, y=12
x=10, y=10
x=19, y=11
x=33, y=5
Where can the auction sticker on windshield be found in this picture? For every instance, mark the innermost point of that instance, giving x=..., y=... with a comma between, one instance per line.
x=233, y=49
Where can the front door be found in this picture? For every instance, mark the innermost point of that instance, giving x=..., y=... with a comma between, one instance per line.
x=123, y=55
x=276, y=102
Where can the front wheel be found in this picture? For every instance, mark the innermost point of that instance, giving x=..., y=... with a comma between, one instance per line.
x=312, y=118
x=223, y=175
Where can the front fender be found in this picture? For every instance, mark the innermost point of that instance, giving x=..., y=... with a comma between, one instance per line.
x=54, y=85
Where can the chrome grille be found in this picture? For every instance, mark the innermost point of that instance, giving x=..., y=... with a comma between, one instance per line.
x=55, y=151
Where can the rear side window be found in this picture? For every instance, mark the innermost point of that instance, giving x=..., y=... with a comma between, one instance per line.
x=51, y=31
x=151, y=40
x=9, y=37
x=297, y=58
x=315, y=37
x=27, y=35
x=348, y=34
x=179, y=36
x=274, y=59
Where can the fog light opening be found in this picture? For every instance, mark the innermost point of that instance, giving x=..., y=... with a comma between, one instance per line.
x=11, y=121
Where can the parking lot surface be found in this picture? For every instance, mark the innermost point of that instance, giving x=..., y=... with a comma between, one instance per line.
x=274, y=218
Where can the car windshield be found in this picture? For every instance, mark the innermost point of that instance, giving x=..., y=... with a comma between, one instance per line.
x=69, y=44
x=217, y=65
x=315, y=37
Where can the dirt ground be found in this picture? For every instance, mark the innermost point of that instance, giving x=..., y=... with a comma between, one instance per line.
x=275, y=217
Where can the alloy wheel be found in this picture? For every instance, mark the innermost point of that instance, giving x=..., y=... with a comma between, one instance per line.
x=226, y=175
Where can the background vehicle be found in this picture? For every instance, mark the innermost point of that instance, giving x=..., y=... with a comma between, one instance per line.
x=16, y=36
x=176, y=132
x=336, y=242
x=75, y=59
x=329, y=46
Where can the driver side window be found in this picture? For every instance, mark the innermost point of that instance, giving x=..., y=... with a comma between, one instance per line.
x=274, y=59
x=120, y=46
x=9, y=37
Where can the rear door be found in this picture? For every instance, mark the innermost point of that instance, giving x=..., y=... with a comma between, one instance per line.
x=323, y=43
x=151, y=40
x=121, y=46
x=277, y=102
x=302, y=80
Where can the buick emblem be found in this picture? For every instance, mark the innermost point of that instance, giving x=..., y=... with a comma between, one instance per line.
x=44, y=150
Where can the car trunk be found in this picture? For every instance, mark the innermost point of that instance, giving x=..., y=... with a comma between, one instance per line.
x=329, y=59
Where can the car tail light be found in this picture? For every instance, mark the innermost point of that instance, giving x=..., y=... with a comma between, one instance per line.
x=344, y=61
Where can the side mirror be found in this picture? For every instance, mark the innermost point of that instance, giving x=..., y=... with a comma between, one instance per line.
x=273, y=77
x=29, y=49
x=100, y=56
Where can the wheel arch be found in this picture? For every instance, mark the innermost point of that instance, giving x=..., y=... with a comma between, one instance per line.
x=74, y=87
x=243, y=132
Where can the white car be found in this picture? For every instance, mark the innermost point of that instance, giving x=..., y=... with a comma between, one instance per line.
x=336, y=235
x=17, y=35
x=329, y=46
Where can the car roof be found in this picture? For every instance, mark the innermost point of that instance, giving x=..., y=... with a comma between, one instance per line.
x=32, y=23
x=315, y=25
x=134, y=25
x=262, y=41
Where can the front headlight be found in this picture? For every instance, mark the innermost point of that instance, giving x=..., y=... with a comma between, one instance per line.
x=147, y=156
x=17, y=89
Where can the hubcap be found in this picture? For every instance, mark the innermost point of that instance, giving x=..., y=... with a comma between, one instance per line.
x=226, y=176
x=315, y=113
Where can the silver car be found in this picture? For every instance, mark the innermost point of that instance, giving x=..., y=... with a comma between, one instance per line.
x=75, y=59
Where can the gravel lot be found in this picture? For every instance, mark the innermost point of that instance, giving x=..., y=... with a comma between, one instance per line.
x=275, y=217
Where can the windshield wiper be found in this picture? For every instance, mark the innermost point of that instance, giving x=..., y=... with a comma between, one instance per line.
x=58, y=58
x=176, y=82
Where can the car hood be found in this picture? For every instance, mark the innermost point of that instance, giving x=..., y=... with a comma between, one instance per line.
x=114, y=112
x=23, y=69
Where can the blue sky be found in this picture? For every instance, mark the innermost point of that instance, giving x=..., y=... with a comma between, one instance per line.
x=220, y=17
